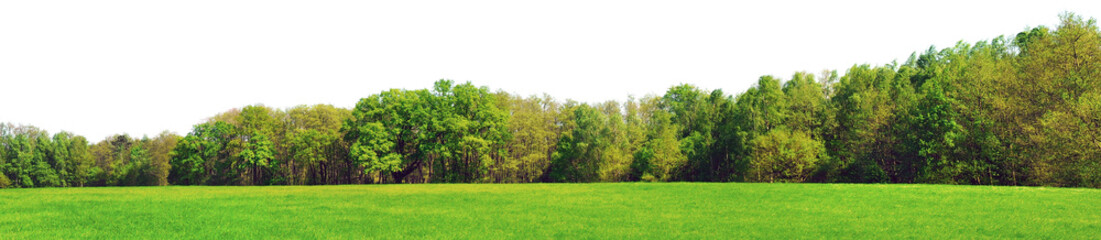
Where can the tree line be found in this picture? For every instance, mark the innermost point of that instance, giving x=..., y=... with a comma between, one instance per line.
x=1021, y=110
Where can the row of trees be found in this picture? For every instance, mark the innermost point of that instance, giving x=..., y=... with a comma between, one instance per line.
x=30, y=157
x=1010, y=111
x=258, y=145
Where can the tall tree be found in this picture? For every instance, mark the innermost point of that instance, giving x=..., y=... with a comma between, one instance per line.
x=317, y=151
x=534, y=126
x=659, y=157
x=387, y=131
x=159, y=163
x=577, y=157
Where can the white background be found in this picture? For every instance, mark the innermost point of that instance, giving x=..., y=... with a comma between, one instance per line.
x=98, y=68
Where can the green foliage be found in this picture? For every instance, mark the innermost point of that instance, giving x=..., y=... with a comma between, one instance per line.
x=310, y=149
x=136, y=169
x=4, y=181
x=387, y=130
x=933, y=146
x=534, y=128
x=29, y=157
x=660, y=156
x=159, y=162
x=703, y=120
x=784, y=156
x=201, y=155
x=863, y=170
x=456, y=130
x=258, y=145
x=471, y=130
x=315, y=150
x=577, y=156
x=256, y=157
x=1019, y=110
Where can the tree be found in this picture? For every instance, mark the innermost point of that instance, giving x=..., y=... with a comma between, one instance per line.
x=866, y=100
x=470, y=128
x=387, y=131
x=577, y=155
x=806, y=104
x=159, y=149
x=704, y=121
x=615, y=159
x=535, y=131
x=256, y=158
x=317, y=153
x=1057, y=68
x=933, y=132
x=137, y=167
x=659, y=158
x=80, y=161
x=5, y=144
x=199, y=157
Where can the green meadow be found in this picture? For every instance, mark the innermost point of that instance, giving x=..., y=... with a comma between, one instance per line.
x=556, y=211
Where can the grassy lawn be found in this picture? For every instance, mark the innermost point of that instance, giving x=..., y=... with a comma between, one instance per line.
x=560, y=211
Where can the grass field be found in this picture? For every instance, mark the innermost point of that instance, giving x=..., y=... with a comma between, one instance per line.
x=560, y=211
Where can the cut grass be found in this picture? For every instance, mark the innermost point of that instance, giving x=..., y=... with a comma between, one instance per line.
x=559, y=211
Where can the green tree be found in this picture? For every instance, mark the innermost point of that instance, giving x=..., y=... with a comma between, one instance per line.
x=159, y=157
x=863, y=145
x=659, y=157
x=616, y=158
x=932, y=135
x=256, y=150
x=535, y=132
x=577, y=156
x=387, y=131
x=137, y=167
x=472, y=132
x=704, y=120
x=317, y=152
x=1057, y=69
x=256, y=157
x=199, y=157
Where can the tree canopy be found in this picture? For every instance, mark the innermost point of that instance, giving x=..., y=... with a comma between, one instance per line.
x=1019, y=110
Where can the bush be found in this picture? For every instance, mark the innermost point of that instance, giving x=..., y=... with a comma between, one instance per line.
x=4, y=181
x=864, y=170
x=784, y=156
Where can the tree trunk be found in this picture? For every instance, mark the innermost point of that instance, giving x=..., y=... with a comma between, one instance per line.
x=399, y=176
